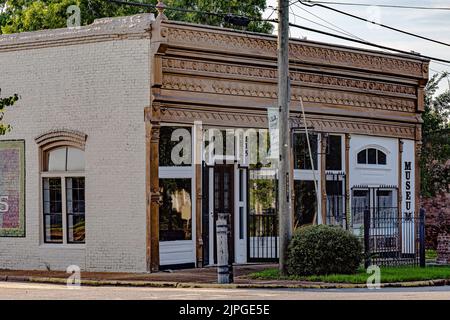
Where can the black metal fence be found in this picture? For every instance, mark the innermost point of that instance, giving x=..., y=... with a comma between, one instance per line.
x=336, y=199
x=393, y=240
x=262, y=243
x=335, y=214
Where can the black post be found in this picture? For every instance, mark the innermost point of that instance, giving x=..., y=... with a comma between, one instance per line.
x=422, y=237
x=366, y=238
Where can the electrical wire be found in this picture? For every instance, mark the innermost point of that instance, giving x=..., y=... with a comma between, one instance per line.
x=224, y=15
x=442, y=64
x=380, y=5
x=369, y=43
x=217, y=14
x=273, y=11
x=373, y=22
x=331, y=24
x=324, y=26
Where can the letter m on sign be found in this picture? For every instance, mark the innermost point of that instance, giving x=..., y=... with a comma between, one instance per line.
x=407, y=165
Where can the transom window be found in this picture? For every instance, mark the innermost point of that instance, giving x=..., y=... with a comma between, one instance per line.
x=63, y=195
x=371, y=156
x=64, y=159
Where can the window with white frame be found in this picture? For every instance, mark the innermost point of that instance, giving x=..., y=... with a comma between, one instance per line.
x=305, y=205
x=63, y=195
x=334, y=153
x=176, y=182
x=302, y=159
x=335, y=179
x=372, y=156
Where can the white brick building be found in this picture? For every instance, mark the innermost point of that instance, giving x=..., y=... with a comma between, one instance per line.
x=95, y=80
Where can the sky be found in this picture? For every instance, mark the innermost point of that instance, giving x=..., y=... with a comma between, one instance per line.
x=433, y=24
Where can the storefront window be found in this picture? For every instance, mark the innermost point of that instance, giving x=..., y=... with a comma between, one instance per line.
x=262, y=218
x=305, y=205
x=263, y=192
x=302, y=159
x=175, y=146
x=334, y=153
x=175, y=212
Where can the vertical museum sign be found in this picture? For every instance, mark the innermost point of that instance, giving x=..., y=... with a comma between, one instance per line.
x=12, y=189
x=408, y=196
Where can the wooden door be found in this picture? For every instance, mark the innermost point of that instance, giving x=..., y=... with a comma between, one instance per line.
x=224, y=202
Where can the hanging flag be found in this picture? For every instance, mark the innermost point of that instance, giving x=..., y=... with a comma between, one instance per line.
x=274, y=132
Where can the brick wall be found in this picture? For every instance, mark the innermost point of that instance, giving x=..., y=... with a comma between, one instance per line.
x=101, y=89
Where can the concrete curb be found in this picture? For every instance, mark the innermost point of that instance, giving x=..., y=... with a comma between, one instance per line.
x=162, y=284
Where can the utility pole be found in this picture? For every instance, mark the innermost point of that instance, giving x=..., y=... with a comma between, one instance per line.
x=284, y=201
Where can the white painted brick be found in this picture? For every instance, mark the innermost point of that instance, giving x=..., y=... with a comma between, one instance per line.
x=100, y=89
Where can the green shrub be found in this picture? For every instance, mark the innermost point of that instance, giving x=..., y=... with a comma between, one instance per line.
x=321, y=249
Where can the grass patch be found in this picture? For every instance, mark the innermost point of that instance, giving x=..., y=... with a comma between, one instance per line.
x=388, y=274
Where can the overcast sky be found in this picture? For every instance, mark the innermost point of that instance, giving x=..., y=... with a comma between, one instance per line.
x=434, y=24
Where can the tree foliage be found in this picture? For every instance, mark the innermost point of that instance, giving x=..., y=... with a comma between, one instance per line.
x=435, y=175
x=28, y=15
x=6, y=102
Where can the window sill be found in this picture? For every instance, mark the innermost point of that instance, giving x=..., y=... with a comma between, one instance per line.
x=65, y=246
x=373, y=167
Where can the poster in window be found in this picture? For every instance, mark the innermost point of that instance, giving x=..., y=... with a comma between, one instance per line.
x=12, y=189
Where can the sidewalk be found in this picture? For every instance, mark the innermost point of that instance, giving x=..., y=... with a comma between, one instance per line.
x=189, y=278
x=194, y=275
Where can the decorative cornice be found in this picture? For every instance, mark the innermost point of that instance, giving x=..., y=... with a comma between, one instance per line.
x=234, y=119
x=302, y=51
x=312, y=95
x=358, y=127
x=214, y=69
x=253, y=120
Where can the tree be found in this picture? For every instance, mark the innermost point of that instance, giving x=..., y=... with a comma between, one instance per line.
x=28, y=15
x=435, y=175
x=6, y=102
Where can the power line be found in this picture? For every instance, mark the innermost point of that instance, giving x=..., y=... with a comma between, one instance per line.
x=442, y=64
x=238, y=20
x=271, y=14
x=369, y=43
x=324, y=26
x=380, y=5
x=331, y=24
x=442, y=71
x=376, y=23
x=225, y=15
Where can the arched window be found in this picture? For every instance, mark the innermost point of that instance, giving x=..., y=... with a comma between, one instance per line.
x=371, y=156
x=63, y=186
x=64, y=159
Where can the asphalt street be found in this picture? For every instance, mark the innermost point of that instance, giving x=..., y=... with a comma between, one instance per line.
x=20, y=291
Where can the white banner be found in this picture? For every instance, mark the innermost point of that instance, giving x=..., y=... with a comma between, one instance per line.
x=274, y=132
